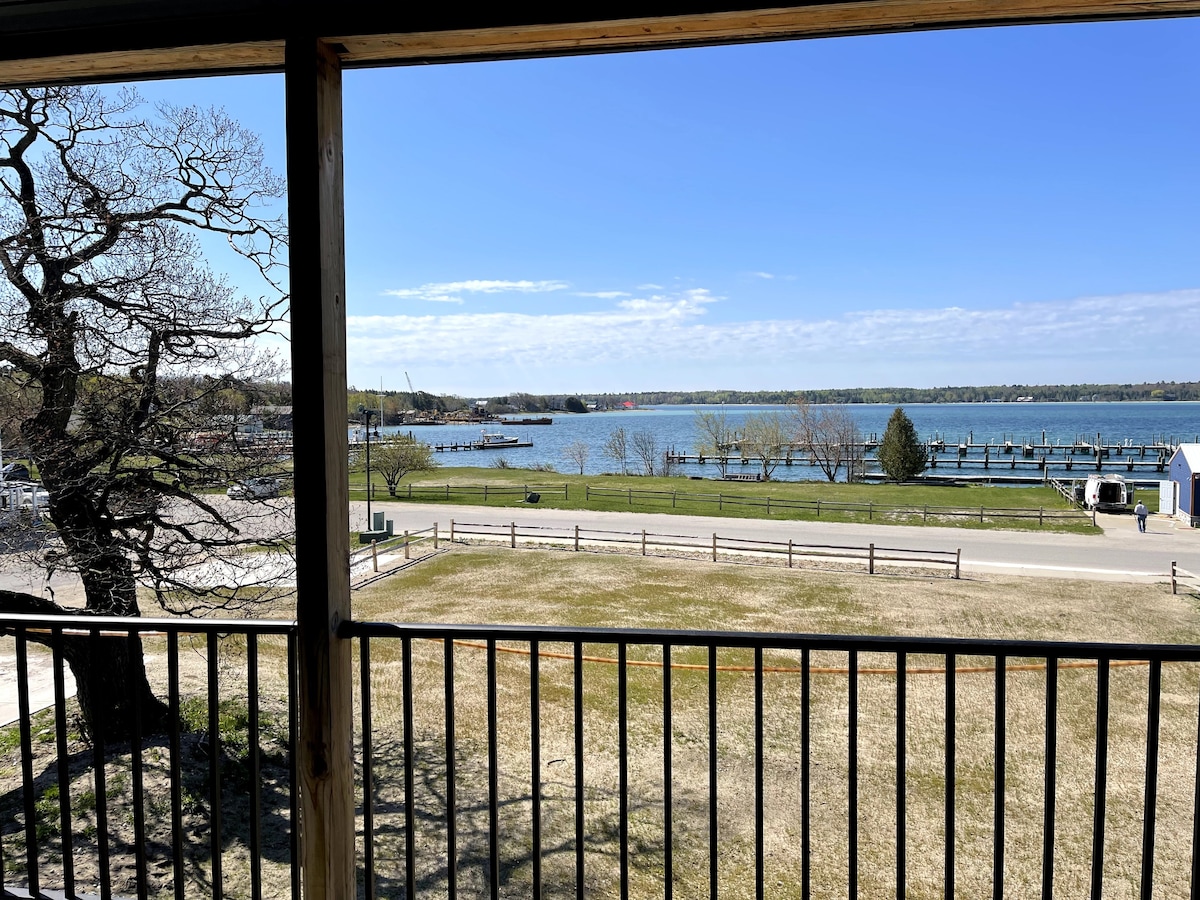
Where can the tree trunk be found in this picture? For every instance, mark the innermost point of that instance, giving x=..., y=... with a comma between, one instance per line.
x=110, y=676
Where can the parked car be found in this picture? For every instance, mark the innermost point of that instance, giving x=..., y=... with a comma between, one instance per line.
x=254, y=489
x=15, y=472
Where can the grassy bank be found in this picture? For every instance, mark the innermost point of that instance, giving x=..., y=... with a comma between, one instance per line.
x=922, y=504
x=585, y=590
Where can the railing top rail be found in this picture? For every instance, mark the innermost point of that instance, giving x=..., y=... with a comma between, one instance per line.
x=780, y=641
x=84, y=622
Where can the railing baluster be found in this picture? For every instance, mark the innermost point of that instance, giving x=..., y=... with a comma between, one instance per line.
x=852, y=775
x=368, y=771
x=999, y=719
x=1195, y=892
x=493, y=720
x=134, y=643
x=1153, y=706
x=255, y=768
x=579, y=847
x=668, y=772
x=1050, y=779
x=623, y=766
x=214, y=765
x=175, y=763
x=951, y=771
x=293, y=662
x=451, y=785
x=759, y=810
x=410, y=817
x=99, y=776
x=712, y=772
x=805, y=775
x=901, y=766
x=1100, y=792
x=64, y=763
x=31, y=841
x=535, y=761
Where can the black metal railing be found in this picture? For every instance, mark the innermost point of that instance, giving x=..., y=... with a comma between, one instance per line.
x=502, y=761
x=195, y=799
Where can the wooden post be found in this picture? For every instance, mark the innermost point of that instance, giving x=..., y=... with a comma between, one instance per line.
x=375, y=556
x=768, y=506
x=720, y=501
x=512, y=535
x=576, y=538
x=925, y=516
x=870, y=510
x=643, y=542
x=485, y=487
x=958, y=562
x=435, y=536
x=313, y=97
x=631, y=496
x=789, y=553
x=981, y=514
x=452, y=531
x=406, y=556
x=673, y=493
x=1174, y=584
x=818, y=509
x=410, y=490
x=587, y=493
x=714, y=546
x=1041, y=515
x=871, y=559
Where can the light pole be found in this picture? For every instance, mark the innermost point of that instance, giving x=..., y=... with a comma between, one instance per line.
x=366, y=414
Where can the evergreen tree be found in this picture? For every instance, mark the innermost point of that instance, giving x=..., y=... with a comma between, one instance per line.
x=901, y=453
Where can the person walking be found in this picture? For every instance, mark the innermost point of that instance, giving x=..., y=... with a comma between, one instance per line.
x=1141, y=512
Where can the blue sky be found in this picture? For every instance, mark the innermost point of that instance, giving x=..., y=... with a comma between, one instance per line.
x=985, y=206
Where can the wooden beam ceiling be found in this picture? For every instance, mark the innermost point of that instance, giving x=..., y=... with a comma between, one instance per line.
x=90, y=40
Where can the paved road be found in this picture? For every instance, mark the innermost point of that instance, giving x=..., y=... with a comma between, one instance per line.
x=1120, y=553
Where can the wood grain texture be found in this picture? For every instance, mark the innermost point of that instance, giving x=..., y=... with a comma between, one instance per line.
x=318, y=341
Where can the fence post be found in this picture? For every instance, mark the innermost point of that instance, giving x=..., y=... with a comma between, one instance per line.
x=789, y=553
x=720, y=501
x=485, y=487
x=435, y=536
x=871, y=560
x=818, y=509
x=447, y=492
x=768, y=506
x=643, y=542
x=1093, y=517
x=1041, y=514
x=673, y=493
x=566, y=491
x=1174, y=586
x=410, y=490
x=925, y=516
x=870, y=510
x=406, y=556
x=512, y=535
x=452, y=531
x=981, y=515
x=631, y=496
x=587, y=493
x=576, y=538
x=958, y=562
x=374, y=556
x=714, y=546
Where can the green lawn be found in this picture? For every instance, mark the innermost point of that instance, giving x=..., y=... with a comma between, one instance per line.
x=923, y=504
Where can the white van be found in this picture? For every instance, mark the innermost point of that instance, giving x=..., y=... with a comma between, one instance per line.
x=1107, y=493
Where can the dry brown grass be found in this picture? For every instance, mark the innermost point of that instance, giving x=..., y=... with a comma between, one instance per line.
x=535, y=587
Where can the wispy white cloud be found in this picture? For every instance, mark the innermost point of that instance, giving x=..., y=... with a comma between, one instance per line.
x=767, y=275
x=603, y=295
x=452, y=291
x=661, y=334
x=650, y=287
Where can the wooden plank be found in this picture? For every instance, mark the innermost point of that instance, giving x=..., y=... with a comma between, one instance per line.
x=823, y=20
x=424, y=34
x=318, y=333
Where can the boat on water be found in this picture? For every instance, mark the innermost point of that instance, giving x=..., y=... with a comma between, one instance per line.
x=495, y=439
x=542, y=420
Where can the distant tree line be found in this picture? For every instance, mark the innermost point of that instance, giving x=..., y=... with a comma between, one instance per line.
x=1159, y=390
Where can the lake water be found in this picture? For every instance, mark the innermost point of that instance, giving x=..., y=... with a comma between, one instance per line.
x=674, y=427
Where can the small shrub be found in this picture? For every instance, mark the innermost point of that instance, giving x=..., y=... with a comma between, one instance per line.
x=501, y=462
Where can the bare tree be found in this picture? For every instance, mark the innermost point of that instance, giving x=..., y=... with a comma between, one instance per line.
x=830, y=435
x=765, y=438
x=122, y=339
x=714, y=438
x=645, y=450
x=577, y=453
x=399, y=456
x=616, y=448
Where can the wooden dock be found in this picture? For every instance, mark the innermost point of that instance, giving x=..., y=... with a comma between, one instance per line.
x=479, y=445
